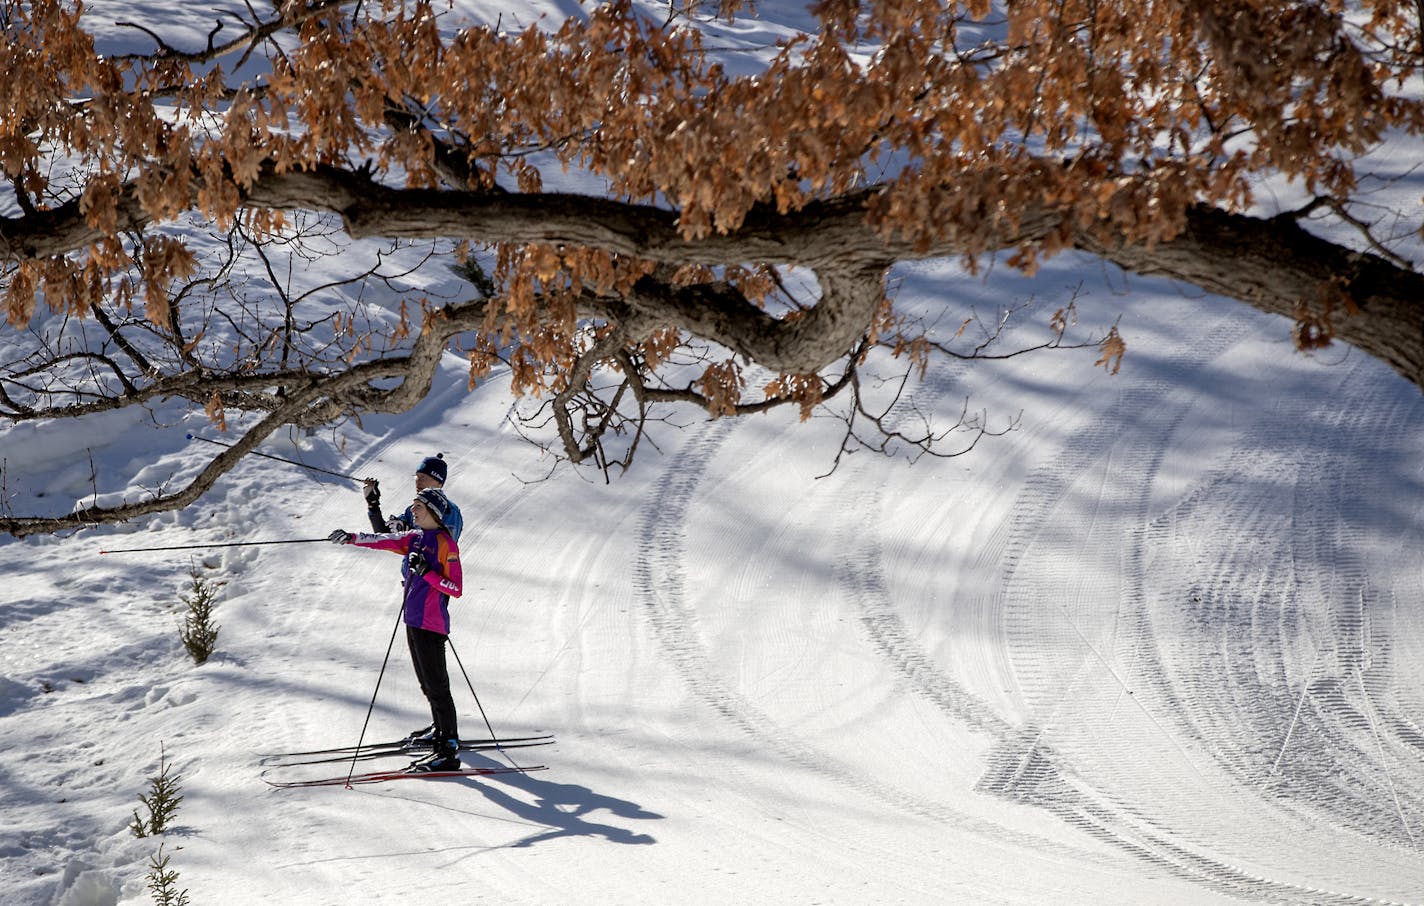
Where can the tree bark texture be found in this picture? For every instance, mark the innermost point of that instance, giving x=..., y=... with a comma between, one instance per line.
x=1273, y=265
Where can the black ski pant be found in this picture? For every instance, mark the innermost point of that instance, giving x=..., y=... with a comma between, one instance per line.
x=427, y=654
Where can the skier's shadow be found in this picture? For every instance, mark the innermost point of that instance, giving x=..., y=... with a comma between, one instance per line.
x=562, y=808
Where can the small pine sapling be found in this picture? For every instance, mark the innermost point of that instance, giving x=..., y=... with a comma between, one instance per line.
x=198, y=632
x=161, y=801
x=163, y=881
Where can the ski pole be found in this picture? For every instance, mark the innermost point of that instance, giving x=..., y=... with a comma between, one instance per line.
x=184, y=547
x=291, y=462
x=400, y=614
x=488, y=725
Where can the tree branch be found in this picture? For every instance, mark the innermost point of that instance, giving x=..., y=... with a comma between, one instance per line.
x=1271, y=264
x=1277, y=267
x=220, y=465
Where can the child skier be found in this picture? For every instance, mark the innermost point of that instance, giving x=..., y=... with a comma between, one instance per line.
x=433, y=577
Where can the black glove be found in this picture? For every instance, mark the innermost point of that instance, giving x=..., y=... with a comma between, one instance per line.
x=372, y=490
x=415, y=561
x=395, y=525
x=340, y=536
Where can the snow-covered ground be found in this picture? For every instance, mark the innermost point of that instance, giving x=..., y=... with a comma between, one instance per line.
x=1164, y=643
x=1161, y=644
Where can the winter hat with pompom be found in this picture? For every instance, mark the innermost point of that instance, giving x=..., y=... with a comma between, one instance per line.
x=434, y=466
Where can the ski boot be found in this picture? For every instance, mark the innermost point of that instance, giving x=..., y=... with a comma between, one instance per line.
x=422, y=740
x=446, y=757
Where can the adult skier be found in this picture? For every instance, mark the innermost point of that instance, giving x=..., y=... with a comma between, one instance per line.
x=430, y=474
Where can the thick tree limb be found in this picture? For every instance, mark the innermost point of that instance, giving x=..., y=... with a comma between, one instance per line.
x=1271, y=264
x=1276, y=266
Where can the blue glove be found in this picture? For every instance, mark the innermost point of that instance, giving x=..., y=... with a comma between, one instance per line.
x=340, y=536
x=417, y=563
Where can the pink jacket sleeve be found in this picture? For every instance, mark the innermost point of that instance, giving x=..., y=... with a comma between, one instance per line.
x=397, y=543
x=445, y=574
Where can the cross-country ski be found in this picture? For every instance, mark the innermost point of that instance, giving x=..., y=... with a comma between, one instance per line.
x=403, y=746
x=384, y=776
x=369, y=753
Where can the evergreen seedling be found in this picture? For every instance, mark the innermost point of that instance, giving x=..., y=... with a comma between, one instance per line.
x=199, y=634
x=163, y=882
x=161, y=801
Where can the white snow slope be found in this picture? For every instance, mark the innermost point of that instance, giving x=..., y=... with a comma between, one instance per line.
x=1161, y=644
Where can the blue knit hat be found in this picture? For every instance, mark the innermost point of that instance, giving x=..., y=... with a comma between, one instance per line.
x=434, y=466
x=436, y=502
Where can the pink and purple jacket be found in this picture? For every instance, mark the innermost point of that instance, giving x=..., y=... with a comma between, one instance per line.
x=427, y=597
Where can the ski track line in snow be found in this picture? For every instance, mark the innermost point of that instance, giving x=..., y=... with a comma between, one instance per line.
x=659, y=589
x=1346, y=741
x=1179, y=701
x=1028, y=770
x=861, y=573
x=1043, y=488
x=862, y=577
x=1112, y=816
x=998, y=614
x=1259, y=691
x=1020, y=757
x=1050, y=483
x=1353, y=645
x=1365, y=649
x=1024, y=768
